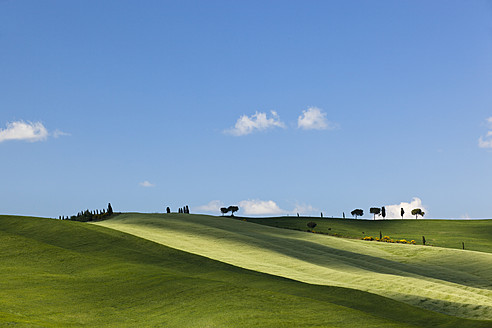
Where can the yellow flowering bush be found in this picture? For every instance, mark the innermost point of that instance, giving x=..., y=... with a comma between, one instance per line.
x=387, y=239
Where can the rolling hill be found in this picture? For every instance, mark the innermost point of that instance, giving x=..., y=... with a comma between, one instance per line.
x=451, y=281
x=476, y=234
x=69, y=274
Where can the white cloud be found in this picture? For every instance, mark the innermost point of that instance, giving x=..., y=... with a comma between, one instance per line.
x=304, y=209
x=393, y=211
x=486, y=142
x=260, y=207
x=257, y=122
x=146, y=184
x=21, y=130
x=314, y=119
x=212, y=207
x=57, y=133
x=489, y=122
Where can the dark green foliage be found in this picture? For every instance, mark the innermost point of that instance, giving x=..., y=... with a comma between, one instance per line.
x=375, y=211
x=423, y=240
x=311, y=225
x=357, y=212
x=168, y=210
x=402, y=212
x=383, y=212
x=86, y=216
x=224, y=210
x=417, y=212
x=90, y=215
x=232, y=209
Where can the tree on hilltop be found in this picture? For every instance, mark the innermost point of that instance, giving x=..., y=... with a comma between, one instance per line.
x=110, y=209
x=383, y=212
x=402, y=212
x=224, y=210
x=357, y=212
x=375, y=210
x=232, y=209
x=417, y=212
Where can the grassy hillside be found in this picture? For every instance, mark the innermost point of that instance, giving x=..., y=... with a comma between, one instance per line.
x=67, y=274
x=476, y=234
x=451, y=281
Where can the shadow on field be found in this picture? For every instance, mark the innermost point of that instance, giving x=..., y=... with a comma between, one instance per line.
x=287, y=244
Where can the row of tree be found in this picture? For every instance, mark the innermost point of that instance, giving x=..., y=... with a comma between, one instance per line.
x=89, y=215
x=185, y=210
x=382, y=211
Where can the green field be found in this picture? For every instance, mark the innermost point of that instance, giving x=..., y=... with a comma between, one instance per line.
x=450, y=281
x=63, y=273
x=476, y=234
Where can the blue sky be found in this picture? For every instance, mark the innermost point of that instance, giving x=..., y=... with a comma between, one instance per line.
x=276, y=106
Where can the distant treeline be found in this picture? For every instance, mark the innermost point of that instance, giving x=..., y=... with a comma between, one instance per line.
x=90, y=215
x=184, y=210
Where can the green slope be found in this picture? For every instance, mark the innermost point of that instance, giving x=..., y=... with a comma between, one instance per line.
x=476, y=234
x=64, y=274
x=450, y=281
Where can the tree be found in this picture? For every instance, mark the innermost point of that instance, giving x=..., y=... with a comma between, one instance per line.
x=402, y=212
x=417, y=212
x=233, y=209
x=224, y=210
x=311, y=225
x=357, y=212
x=374, y=210
x=110, y=209
x=187, y=209
x=168, y=210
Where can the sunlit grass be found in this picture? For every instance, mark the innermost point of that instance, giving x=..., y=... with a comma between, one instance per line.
x=451, y=281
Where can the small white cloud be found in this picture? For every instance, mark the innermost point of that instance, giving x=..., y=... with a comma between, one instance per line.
x=57, y=133
x=146, y=184
x=260, y=207
x=304, y=209
x=21, y=130
x=489, y=122
x=257, y=122
x=486, y=142
x=212, y=207
x=393, y=211
x=314, y=119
